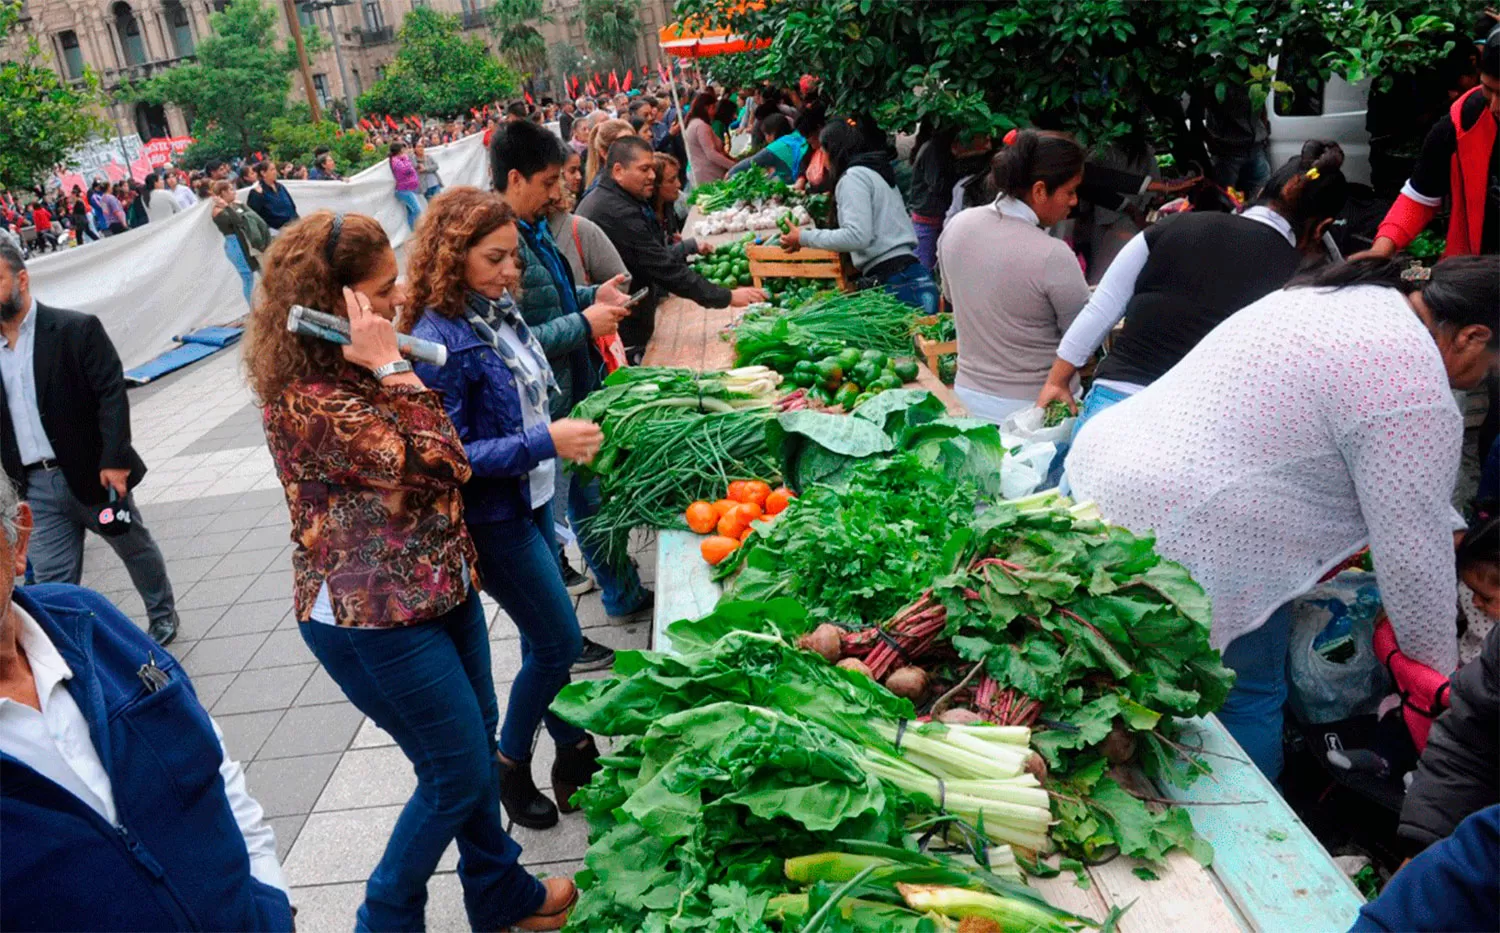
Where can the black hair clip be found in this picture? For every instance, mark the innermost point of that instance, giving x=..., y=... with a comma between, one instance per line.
x=333, y=236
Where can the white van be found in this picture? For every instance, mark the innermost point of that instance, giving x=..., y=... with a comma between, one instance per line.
x=1344, y=107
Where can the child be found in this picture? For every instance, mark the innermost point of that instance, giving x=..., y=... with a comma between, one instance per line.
x=1478, y=582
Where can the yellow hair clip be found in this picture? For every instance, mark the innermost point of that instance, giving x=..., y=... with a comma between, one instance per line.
x=1312, y=173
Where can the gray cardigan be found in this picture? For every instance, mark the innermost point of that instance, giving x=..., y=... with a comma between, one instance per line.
x=873, y=222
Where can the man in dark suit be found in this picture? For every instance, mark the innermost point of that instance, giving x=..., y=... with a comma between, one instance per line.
x=65, y=441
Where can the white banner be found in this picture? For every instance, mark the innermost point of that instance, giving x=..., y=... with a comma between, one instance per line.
x=165, y=279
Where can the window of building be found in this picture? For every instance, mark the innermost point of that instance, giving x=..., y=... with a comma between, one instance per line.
x=374, y=17
x=129, y=29
x=220, y=5
x=320, y=87
x=72, y=56
x=177, y=23
x=359, y=84
x=379, y=72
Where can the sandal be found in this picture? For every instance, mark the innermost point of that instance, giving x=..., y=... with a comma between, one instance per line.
x=562, y=894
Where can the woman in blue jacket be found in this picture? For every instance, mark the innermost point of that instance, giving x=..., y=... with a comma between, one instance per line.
x=496, y=387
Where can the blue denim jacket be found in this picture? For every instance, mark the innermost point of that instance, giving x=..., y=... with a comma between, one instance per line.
x=482, y=399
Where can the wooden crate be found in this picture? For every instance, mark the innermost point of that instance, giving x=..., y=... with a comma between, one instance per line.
x=930, y=350
x=773, y=262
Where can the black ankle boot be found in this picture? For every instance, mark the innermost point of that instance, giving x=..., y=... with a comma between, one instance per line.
x=522, y=801
x=574, y=766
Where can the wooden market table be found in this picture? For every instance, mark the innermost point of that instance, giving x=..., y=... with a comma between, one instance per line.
x=1269, y=872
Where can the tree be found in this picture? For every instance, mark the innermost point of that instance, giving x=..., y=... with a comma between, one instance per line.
x=42, y=118
x=1103, y=69
x=611, y=28
x=519, y=43
x=238, y=84
x=294, y=138
x=437, y=71
x=564, y=60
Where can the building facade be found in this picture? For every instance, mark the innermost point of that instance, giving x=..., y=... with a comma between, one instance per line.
x=129, y=40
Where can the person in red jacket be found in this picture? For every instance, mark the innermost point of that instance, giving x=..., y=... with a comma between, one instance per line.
x=1459, y=159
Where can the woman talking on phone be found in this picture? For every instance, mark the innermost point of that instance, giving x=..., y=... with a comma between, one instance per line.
x=384, y=570
x=497, y=387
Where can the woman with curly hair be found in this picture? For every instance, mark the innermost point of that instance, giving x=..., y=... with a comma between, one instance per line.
x=384, y=581
x=496, y=387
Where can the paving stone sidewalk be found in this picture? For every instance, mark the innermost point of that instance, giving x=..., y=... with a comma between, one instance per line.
x=331, y=782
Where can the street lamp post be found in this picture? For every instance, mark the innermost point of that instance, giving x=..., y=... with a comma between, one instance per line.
x=313, y=6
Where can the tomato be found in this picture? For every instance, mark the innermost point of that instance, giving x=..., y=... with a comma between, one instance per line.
x=717, y=547
x=722, y=507
x=700, y=517
x=778, y=500
x=756, y=491
x=737, y=491
x=749, y=512
x=732, y=525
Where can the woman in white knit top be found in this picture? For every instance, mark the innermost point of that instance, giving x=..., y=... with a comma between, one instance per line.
x=1313, y=422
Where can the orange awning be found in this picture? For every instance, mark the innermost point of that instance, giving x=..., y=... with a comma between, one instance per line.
x=688, y=39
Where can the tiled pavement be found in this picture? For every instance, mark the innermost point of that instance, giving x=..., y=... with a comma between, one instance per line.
x=330, y=781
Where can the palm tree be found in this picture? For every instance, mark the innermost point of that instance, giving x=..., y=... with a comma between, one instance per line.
x=519, y=43
x=611, y=28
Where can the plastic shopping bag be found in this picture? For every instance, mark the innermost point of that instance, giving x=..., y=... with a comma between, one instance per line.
x=1024, y=470
x=1024, y=427
x=1333, y=672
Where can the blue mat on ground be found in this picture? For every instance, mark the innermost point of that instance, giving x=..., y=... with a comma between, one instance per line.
x=201, y=343
x=214, y=336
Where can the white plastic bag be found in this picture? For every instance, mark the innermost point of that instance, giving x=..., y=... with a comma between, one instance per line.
x=1026, y=425
x=1024, y=470
x=1340, y=610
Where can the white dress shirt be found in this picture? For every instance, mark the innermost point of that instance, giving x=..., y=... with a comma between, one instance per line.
x=18, y=370
x=55, y=743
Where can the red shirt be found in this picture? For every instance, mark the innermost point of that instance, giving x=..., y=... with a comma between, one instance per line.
x=42, y=218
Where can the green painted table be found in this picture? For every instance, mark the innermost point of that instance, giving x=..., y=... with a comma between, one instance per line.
x=1269, y=873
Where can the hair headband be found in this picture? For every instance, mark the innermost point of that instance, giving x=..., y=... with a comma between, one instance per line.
x=333, y=237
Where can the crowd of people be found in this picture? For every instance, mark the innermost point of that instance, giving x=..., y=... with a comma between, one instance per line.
x=1267, y=408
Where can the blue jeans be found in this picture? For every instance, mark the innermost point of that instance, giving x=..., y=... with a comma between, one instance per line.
x=1252, y=712
x=1246, y=172
x=518, y=563
x=432, y=192
x=413, y=205
x=915, y=286
x=621, y=592
x=236, y=255
x=1098, y=398
x=429, y=685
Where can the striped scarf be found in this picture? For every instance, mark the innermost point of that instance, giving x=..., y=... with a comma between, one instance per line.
x=486, y=317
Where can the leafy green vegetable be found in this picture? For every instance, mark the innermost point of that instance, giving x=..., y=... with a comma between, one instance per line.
x=1145, y=874
x=857, y=553
x=962, y=448
x=821, y=448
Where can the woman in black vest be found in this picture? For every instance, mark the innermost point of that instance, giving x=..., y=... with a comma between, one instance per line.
x=1178, y=280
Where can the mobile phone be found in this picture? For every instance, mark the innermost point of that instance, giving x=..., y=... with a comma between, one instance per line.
x=635, y=299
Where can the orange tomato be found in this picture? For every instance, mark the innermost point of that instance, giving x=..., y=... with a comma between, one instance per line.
x=701, y=517
x=717, y=547
x=755, y=491
x=737, y=490
x=778, y=500
x=750, y=511
x=732, y=525
x=722, y=507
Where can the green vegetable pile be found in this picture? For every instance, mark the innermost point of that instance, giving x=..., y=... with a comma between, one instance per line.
x=755, y=188
x=842, y=349
x=745, y=770
x=1088, y=621
x=727, y=265
x=941, y=330
x=947, y=368
x=1427, y=246
x=791, y=293
x=1055, y=414
x=857, y=553
x=672, y=437
x=742, y=187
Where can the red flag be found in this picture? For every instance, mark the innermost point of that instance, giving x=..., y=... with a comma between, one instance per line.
x=391, y=123
x=599, y=79
x=527, y=95
x=614, y=80
x=575, y=85
x=365, y=124
x=629, y=74
x=475, y=112
x=592, y=89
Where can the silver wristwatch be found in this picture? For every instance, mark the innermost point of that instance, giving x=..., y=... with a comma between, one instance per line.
x=392, y=368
